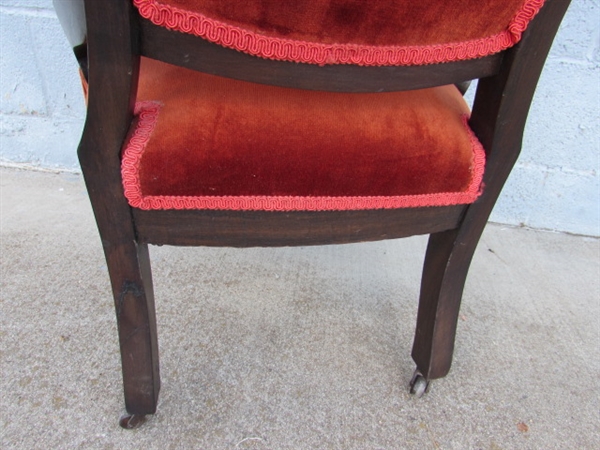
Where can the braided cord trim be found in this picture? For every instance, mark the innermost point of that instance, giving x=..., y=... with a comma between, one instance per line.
x=267, y=47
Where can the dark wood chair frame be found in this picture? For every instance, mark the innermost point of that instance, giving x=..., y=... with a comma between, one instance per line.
x=116, y=39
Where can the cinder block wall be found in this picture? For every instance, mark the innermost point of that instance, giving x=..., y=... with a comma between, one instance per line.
x=554, y=186
x=42, y=109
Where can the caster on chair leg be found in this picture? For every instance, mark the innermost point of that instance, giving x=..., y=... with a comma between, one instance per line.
x=419, y=385
x=131, y=421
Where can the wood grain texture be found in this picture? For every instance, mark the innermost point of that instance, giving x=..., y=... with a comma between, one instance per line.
x=113, y=71
x=275, y=229
x=190, y=51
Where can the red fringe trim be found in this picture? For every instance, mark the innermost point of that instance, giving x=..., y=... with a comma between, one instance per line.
x=147, y=114
x=317, y=53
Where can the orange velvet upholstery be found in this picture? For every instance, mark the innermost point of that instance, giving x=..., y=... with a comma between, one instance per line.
x=209, y=142
x=377, y=32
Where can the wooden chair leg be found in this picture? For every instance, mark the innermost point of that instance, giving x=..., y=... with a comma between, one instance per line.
x=444, y=273
x=129, y=268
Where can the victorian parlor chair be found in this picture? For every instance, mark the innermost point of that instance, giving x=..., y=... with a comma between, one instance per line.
x=269, y=123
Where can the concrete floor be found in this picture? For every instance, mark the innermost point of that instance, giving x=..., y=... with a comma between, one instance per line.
x=293, y=348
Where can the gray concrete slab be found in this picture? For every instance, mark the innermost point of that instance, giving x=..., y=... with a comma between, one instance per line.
x=294, y=348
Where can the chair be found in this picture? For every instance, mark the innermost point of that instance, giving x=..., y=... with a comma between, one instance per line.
x=274, y=123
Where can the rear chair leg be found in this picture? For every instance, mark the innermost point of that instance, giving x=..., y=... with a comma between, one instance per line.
x=129, y=268
x=445, y=270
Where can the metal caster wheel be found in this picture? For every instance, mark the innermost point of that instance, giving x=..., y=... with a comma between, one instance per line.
x=418, y=384
x=131, y=421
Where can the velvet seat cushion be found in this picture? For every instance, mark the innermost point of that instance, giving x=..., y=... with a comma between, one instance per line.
x=374, y=32
x=205, y=142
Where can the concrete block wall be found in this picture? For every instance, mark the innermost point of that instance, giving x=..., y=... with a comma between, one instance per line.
x=42, y=109
x=555, y=184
